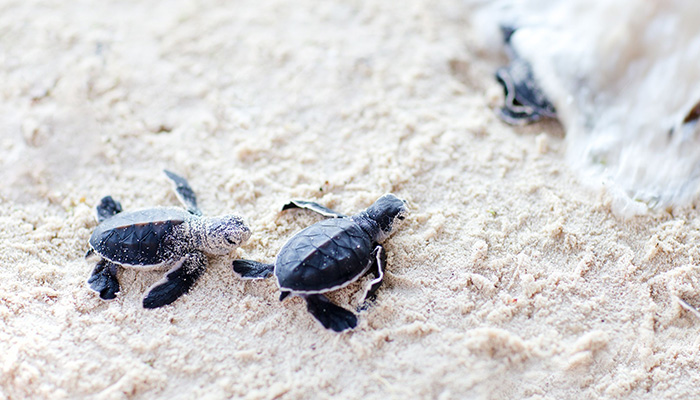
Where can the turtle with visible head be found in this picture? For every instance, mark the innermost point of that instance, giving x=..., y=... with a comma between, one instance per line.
x=161, y=237
x=330, y=255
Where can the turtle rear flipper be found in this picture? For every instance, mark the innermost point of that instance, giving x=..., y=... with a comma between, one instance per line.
x=103, y=280
x=184, y=192
x=330, y=315
x=310, y=205
x=178, y=281
x=249, y=269
x=107, y=208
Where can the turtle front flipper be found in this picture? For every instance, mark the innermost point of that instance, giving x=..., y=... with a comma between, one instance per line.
x=377, y=268
x=525, y=101
x=310, y=205
x=184, y=192
x=107, y=208
x=328, y=314
x=249, y=269
x=178, y=281
x=103, y=280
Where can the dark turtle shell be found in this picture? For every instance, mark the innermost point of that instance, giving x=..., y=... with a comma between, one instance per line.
x=138, y=237
x=326, y=255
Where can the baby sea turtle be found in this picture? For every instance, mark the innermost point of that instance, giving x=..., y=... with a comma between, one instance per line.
x=525, y=101
x=160, y=238
x=329, y=255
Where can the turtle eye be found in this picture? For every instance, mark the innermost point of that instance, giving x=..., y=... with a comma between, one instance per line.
x=233, y=242
x=401, y=217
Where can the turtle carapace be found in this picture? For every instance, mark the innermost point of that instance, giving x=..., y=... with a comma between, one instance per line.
x=173, y=238
x=329, y=255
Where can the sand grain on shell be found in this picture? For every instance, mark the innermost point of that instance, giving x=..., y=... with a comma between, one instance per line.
x=508, y=279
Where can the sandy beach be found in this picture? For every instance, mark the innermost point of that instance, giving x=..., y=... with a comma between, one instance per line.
x=510, y=279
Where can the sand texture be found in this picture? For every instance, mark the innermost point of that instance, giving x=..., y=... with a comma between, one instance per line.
x=509, y=278
x=623, y=78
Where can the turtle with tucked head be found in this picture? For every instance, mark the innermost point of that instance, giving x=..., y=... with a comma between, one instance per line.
x=159, y=238
x=330, y=255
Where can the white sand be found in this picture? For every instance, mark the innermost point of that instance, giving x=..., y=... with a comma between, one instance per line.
x=624, y=79
x=509, y=279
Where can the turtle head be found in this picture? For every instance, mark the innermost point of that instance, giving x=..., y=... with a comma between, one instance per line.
x=385, y=211
x=223, y=234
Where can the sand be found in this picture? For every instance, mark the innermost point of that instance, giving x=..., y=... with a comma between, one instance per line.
x=509, y=279
x=623, y=78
